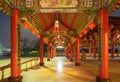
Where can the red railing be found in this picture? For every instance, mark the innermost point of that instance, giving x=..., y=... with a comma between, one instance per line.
x=25, y=66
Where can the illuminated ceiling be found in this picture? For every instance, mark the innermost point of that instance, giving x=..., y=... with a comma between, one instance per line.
x=73, y=16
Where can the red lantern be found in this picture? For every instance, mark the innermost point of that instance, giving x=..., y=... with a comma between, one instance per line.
x=57, y=1
x=26, y=25
x=73, y=41
x=38, y=35
x=52, y=2
x=80, y=35
x=92, y=25
x=33, y=31
x=85, y=32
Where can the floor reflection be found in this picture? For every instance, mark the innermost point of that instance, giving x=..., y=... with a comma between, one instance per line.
x=59, y=66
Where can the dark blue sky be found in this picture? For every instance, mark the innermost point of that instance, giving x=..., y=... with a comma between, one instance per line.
x=5, y=29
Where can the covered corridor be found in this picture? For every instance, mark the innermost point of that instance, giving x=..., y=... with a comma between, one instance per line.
x=60, y=69
x=72, y=25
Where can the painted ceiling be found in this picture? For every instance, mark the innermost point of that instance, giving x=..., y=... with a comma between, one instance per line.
x=59, y=21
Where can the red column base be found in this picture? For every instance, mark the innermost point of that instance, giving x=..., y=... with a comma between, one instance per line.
x=99, y=79
x=112, y=56
x=48, y=59
x=94, y=56
x=77, y=64
x=41, y=64
x=15, y=79
x=71, y=59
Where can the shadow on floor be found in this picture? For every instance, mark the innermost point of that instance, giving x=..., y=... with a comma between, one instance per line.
x=4, y=80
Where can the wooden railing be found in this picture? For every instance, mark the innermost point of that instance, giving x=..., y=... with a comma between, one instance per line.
x=24, y=66
x=2, y=69
x=30, y=64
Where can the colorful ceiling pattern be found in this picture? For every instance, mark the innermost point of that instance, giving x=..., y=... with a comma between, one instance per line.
x=59, y=21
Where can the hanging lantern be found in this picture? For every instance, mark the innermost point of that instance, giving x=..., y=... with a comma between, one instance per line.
x=92, y=25
x=33, y=31
x=56, y=1
x=56, y=27
x=85, y=32
x=80, y=35
x=52, y=2
x=26, y=25
x=56, y=23
x=38, y=35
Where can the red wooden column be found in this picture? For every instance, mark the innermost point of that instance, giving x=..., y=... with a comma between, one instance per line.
x=112, y=50
x=51, y=53
x=94, y=49
x=77, y=52
x=71, y=53
x=67, y=52
x=74, y=51
x=41, y=51
x=103, y=75
x=89, y=51
x=15, y=55
x=48, y=53
x=54, y=51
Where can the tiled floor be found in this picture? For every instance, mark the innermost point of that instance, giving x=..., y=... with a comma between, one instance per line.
x=59, y=69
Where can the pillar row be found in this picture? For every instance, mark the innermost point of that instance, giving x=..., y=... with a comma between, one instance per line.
x=103, y=75
x=77, y=52
x=41, y=51
x=48, y=53
x=15, y=48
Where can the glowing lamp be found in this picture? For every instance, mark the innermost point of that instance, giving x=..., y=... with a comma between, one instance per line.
x=92, y=25
x=38, y=35
x=26, y=25
x=57, y=1
x=56, y=23
x=85, y=32
x=33, y=31
x=80, y=35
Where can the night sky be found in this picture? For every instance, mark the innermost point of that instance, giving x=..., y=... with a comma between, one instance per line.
x=5, y=29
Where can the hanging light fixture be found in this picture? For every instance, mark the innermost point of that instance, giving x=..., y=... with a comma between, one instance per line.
x=92, y=25
x=56, y=27
x=26, y=25
x=85, y=32
x=33, y=31
x=80, y=35
x=56, y=23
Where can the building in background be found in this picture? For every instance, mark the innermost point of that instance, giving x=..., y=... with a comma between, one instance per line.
x=4, y=50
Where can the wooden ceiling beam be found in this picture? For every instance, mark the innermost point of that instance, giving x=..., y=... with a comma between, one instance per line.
x=65, y=17
x=73, y=20
x=66, y=26
x=50, y=18
x=48, y=28
x=43, y=20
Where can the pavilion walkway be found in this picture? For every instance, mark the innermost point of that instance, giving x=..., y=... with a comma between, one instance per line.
x=59, y=69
